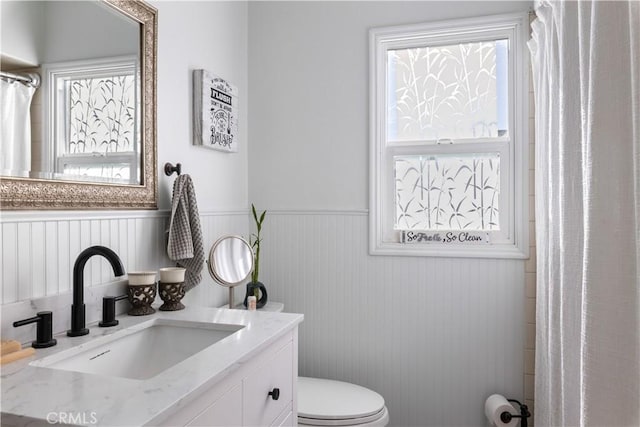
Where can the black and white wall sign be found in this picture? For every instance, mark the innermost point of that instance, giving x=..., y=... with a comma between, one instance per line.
x=215, y=111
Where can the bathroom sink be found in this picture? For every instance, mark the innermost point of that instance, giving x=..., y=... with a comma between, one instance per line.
x=142, y=351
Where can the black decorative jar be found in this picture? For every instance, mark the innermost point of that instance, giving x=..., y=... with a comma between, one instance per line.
x=258, y=290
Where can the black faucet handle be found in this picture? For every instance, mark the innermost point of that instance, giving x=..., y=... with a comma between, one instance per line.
x=109, y=311
x=44, y=329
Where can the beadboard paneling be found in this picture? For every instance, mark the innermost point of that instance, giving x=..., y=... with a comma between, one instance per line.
x=215, y=225
x=37, y=253
x=38, y=256
x=434, y=336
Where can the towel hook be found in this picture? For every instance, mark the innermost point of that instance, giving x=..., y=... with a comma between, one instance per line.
x=169, y=169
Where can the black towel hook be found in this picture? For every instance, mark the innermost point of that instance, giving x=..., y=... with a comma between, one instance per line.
x=169, y=169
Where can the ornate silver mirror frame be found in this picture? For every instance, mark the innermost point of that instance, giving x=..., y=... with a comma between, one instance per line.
x=28, y=193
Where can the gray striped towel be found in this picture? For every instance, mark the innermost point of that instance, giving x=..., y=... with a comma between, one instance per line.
x=185, y=245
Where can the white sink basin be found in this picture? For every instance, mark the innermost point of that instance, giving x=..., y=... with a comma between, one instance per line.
x=142, y=351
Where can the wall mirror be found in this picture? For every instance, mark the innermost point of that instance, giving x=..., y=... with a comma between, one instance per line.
x=230, y=262
x=92, y=142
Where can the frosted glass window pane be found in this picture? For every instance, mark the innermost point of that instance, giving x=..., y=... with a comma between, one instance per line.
x=446, y=192
x=101, y=115
x=452, y=92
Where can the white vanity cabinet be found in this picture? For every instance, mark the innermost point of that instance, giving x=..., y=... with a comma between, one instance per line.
x=242, y=398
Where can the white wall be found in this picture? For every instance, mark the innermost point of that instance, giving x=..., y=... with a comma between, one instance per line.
x=308, y=76
x=38, y=32
x=213, y=36
x=434, y=336
x=76, y=30
x=21, y=30
x=37, y=249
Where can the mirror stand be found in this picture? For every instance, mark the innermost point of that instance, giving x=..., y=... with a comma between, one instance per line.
x=231, y=300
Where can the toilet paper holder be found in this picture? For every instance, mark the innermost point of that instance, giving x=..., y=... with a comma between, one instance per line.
x=505, y=417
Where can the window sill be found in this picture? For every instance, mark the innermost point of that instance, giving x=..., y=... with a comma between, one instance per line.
x=505, y=251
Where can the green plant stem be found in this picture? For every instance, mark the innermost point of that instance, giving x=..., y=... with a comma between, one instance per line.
x=256, y=268
x=255, y=275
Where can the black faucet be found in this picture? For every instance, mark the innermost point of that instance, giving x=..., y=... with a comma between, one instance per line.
x=78, y=308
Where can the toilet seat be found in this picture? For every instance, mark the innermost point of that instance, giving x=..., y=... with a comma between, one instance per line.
x=377, y=420
x=323, y=402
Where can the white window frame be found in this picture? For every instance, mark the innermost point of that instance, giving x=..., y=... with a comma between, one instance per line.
x=54, y=102
x=513, y=239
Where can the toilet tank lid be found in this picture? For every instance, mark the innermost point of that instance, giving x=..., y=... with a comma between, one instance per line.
x=329, y=399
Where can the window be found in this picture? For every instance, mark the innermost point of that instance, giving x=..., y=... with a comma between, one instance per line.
x=449, y=144
x=94, y=126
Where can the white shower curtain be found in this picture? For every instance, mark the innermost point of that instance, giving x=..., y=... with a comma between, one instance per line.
x=15, y=137
x=585, y=58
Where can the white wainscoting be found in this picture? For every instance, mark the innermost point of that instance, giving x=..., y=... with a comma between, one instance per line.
x=38, y=253
x=434, y=336
x=38, y=250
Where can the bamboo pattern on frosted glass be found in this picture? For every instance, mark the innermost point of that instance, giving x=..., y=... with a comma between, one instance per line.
x=102, y=115
x=443, y=92
x=447, y=192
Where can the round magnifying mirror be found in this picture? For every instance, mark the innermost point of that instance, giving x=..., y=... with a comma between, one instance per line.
x=230, y=262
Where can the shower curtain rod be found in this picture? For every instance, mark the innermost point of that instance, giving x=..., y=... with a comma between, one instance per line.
x=32, y=79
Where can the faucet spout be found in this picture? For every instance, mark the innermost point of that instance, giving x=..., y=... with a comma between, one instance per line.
x=78, y=311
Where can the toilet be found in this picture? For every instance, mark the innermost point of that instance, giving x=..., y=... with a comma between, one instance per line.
x=324, y=402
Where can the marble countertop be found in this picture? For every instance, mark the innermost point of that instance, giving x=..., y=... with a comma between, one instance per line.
x=32, y=393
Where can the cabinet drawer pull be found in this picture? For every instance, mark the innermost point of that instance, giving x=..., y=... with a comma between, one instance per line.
x=275, y=394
